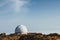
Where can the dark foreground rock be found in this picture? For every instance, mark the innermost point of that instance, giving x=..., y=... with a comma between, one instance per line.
x=30, y=36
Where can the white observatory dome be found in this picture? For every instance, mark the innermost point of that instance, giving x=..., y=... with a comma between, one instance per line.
x=21, y=29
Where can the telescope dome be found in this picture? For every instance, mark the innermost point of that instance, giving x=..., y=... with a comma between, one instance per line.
x=21, y=29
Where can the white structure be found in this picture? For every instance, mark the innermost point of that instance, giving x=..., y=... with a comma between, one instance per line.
x=21, y=29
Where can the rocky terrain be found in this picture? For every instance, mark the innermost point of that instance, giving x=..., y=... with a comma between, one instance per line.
x=30, y=36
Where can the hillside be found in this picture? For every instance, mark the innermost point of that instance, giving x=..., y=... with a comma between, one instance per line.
x=30, y=36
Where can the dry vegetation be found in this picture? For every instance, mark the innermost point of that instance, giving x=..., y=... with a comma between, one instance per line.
x=30, y=36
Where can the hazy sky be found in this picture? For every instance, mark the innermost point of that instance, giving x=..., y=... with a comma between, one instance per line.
x=38, y=15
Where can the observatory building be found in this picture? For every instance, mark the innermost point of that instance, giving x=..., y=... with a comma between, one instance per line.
x=21, y=29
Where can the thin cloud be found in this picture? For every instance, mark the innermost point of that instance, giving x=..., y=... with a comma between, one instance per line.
x=16, y=6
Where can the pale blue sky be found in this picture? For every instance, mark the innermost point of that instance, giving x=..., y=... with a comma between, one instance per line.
x=38, y=15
